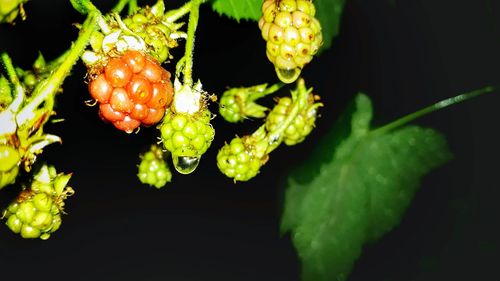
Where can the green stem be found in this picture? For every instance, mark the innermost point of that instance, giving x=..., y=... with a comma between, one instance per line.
x=19, y=90
x=11, y=70
x=188, y=55
x=47, y=89
x=299, y=98
x=429, y=109
x=118, y=8
x=132, y=6
x=173, y=15
x=253, y=96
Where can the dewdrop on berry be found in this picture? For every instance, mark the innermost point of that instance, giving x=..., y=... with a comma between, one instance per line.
x=288, y=75
x=185, y=164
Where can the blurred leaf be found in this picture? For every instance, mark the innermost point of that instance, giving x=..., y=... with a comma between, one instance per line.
x=359, y=194
x=329, y=14
x=238, y=9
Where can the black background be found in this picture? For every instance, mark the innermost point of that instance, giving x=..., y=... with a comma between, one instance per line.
x=202, y=226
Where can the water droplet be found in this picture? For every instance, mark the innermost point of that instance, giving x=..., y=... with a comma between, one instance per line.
x=185, y=164
x=288, y=75
x=274, y=139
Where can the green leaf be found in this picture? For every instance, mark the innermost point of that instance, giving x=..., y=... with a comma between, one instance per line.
x=238, y=9
x=329, y=14
x=358, y=194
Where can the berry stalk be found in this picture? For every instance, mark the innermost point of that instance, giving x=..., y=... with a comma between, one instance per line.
x=429, y=109
x=299, y=98
x=173, y=15
x=46, y=90
x=187, y=60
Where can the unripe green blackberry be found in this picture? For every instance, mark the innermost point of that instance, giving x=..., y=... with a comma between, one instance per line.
x=36, y=212
x=300, y=127
x=33, y=215
x=242, y=158
x=9, y=164
x=153, y=169
x=237, y=104
x=292, y=33
x=186, y=134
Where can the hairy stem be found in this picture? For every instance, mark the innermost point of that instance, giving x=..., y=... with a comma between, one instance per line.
x=118, y=8
x=173, y=15
x=188, y=55
x=47, y=88
x=19, y=90
x=429, y=109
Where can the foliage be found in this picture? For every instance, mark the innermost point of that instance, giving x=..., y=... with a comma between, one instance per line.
x=359, y=194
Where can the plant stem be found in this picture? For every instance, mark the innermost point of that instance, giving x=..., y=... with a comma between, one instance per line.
x=118, y=8
x=429, y=109
x=9, y=67
x=253, y=96
x=188, y=55
x=173, y=15
x=299, y=98
x=47, y=89
x=132, y=6
x=19, y=90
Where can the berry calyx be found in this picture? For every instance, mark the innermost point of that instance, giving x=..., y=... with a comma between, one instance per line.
x=238, y=104
x=153, y=170
x=147, y=30
x=132, y=90
x=292, y=34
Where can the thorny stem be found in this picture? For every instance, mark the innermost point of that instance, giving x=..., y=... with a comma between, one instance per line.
x=188, y=55
x=437, y=106
x=47, y=89
x=11, y=73
x=176, y=14
x=9, y=67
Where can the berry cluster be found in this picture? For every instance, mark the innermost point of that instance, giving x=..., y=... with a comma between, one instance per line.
x=290, y=121
x=153, y=169
x=292, y=33
x=132, y=90
x=36, y=212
